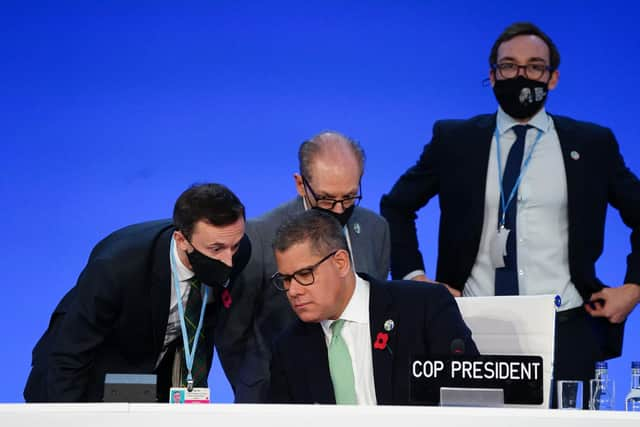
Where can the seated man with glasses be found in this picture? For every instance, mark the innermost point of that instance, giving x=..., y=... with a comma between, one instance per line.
x=356, y=335
x=551, y=176
x=331, y=168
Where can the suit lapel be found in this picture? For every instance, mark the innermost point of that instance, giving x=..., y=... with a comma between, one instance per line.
x=160, y=288
x=313, y=350
x=574, y=169
x=383, y=324
x=478, y=149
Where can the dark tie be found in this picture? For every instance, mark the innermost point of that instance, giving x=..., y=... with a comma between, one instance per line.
x=507, y=276
x=191, y=318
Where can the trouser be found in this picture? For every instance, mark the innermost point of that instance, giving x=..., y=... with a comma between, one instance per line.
x=578, y=344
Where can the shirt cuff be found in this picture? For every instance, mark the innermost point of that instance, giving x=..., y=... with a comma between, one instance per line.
x=413, y=274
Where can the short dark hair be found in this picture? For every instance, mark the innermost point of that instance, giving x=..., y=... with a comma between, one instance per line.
x=524, y=29
x=212, y=203
x=310, y=148
x=322, y=230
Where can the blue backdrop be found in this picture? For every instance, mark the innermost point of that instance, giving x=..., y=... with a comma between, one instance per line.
x=108, y=110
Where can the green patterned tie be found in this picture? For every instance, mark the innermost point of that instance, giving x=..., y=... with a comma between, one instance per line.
x=191, y=318
x=340, y=367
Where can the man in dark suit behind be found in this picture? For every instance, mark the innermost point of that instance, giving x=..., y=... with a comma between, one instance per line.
x=122, y=315
x=331, y=166
x=523, y=199
x=356, y=336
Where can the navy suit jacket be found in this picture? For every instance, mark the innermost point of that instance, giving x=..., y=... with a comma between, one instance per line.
x=264, y=312
x=426, y=319
x=454, y=167
x=114, y=320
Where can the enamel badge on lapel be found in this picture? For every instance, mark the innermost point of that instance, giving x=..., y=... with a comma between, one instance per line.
x=575, y=155
x=383, y=337
x=356, y=227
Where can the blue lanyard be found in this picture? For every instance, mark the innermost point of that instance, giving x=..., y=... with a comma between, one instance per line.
x=189, y=355
x=514, y=190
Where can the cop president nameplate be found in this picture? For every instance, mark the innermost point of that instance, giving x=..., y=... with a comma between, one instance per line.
x=520, y=377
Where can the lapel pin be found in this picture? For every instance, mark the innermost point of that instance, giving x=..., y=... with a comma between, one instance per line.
x=575, y=155
x=388, y=325
x=356, y=227
x=226, y=298
x=381, y=341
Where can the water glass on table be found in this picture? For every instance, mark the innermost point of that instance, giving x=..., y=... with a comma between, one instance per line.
x=569, y=394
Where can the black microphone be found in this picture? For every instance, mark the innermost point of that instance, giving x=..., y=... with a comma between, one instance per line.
x=457, y=347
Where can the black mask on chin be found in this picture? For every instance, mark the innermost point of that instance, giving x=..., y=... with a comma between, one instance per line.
x=520, y=97
x=209, y=271
x=342, y=217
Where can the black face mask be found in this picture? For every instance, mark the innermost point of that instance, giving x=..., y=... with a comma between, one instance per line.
x=209, y=271
x=520, y=97
x=343, y=217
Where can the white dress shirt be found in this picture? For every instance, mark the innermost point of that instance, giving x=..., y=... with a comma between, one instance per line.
x=357, y=336
x=542, y=223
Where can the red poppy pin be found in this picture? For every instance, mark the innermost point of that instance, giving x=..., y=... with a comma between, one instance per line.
x=381, y=341
x=226, y=298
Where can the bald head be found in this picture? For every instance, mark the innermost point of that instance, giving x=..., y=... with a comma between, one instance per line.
x=330, y=152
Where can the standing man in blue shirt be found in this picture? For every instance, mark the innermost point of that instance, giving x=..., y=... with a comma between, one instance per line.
x=523, y=198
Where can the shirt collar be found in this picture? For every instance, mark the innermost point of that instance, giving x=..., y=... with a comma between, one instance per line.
x=357, y=310
x=182, y=272
x=540, y=121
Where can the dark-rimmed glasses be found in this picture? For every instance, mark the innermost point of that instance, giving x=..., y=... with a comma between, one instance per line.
x=509, y=70
x=304, y=276
x=329, y=203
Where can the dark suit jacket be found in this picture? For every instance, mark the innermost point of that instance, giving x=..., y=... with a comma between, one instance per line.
x=454, y=167
x=114, y=320
x=264, y=312
x=426, y=319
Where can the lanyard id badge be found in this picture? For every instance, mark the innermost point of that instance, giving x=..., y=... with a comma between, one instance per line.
x=189, y=353
x=184, y=395
x=498, y=247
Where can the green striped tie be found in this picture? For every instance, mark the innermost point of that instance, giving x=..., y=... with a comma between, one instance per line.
x=191, y=317
x=340, y=367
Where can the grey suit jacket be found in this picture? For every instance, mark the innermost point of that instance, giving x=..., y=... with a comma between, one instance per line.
x=260, y=312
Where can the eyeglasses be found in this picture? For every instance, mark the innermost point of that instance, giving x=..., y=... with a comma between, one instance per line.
x=509, y=70
x=329, y=203
x=304, y=276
